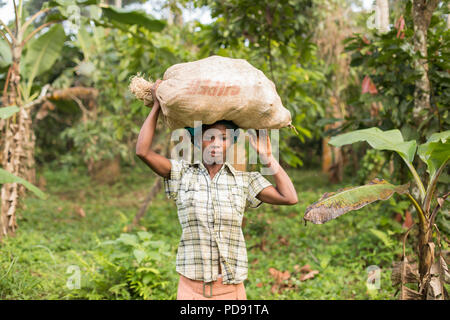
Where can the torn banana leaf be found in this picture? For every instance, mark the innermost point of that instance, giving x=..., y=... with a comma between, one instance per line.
x=334, y=204
x=404, y=272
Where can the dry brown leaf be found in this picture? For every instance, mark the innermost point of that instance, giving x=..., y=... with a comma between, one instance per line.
x=408, y=220
x=409, y=294
x=444, y=269
x=283, y=241
x=262, y=245
x=81, y=212
x=309, y=275
x=274, y=289
x=411, y=274
x=305, y=269
x=278, y=275
x=259, y=285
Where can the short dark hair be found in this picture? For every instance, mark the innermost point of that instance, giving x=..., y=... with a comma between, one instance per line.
x=227, y=123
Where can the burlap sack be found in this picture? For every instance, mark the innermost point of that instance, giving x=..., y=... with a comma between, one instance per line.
x=213, y=89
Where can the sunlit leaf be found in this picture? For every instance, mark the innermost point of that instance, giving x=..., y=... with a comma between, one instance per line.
x=139, y=255
x=380, y=140
x=41, y=54
x=436, y=151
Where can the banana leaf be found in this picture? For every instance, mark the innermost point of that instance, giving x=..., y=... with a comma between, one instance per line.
x=42, y=52
x=8, y=111
x=435, y=152
x=7, y=177
x=380, y=140
x=334, y=204
x=384, y=140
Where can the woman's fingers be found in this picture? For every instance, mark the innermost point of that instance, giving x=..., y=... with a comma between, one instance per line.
x=156, y=85
x=153, y=91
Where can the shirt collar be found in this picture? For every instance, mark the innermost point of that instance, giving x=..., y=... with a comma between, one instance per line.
x=226, y=164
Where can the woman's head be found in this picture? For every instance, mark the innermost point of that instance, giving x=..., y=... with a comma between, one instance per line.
x=216, y=138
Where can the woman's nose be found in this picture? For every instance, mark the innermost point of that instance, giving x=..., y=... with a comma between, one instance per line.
x=216, y=142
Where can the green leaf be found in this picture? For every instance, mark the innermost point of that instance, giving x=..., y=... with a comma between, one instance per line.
x=382, y=236
x=5, y=54
x=154, y=256
x=41, y=54
x=7, y=112
x=147, y=269
x=139, y=254
x=144, y=235
x=380, y=140
x=8, y=177
x=435, y=152
x=132, y=17
x=87, y=2
x=129, y=239
x=334, y=204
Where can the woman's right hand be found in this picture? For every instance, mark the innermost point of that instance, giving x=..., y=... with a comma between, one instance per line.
x=153, y=91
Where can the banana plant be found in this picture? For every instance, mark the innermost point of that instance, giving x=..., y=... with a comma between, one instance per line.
x=432, y=271
x=7, y=177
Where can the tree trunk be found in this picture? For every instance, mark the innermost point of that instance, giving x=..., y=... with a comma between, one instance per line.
x=332, y=160
x=422, y=11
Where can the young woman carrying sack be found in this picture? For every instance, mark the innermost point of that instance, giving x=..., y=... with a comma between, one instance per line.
x=211, y=198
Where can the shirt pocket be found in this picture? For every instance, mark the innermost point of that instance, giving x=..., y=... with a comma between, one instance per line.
x=237, y=194
x=187, y=194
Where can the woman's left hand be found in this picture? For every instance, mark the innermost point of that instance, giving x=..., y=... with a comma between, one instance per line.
x=261, y=144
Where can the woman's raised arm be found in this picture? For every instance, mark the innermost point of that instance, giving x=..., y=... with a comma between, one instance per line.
x=158, y=163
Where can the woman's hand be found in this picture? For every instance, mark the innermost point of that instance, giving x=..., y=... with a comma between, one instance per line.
x=284, y=193
x=261, y=143
x=153, y=91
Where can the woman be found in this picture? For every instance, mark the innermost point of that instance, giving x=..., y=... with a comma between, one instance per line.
x=211, y=197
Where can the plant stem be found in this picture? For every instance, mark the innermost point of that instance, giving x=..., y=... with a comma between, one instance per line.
x=422, y=218
x=416, y=179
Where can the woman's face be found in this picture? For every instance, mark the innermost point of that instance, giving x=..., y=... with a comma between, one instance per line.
x=215, y=143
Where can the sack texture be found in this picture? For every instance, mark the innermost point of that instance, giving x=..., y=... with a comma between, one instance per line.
x=213, y=89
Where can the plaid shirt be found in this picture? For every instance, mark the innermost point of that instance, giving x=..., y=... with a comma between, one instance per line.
x=210, y=213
